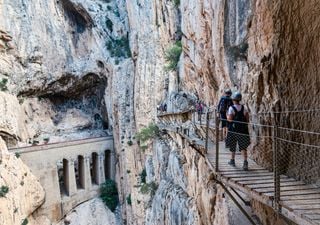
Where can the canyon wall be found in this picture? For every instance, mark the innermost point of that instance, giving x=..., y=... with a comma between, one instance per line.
x=73, y=69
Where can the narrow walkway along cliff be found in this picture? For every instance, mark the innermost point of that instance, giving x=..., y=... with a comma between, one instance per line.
x=97, y=96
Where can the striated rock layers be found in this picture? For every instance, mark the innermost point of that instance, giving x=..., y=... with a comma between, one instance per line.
x=20, y=191
x=73, y=68
x=93, y=212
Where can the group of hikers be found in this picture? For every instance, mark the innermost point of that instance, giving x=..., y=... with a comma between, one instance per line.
x=234, y=118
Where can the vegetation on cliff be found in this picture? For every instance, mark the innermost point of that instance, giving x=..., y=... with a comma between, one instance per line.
x=109, y=194
x=172, y=56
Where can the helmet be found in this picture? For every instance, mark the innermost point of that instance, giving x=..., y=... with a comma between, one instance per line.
x=237, y=96
x=228, y=91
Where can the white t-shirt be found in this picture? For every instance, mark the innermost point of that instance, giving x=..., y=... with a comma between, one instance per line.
x=238, y=107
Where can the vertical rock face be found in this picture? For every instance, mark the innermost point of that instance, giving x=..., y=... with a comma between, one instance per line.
x=20, y=191
x=93, y=212
x=73, y=68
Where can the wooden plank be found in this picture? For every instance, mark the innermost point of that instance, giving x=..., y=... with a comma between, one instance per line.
x=253, y=171
x=252, y=178
x=295, y=193
x=303, y=207
x=264, y=181
x=312, y=216
x=271, y=184
x=226, y=170
x=287, y=188
x=300, y=197
x=263, y=174
x=301, y=202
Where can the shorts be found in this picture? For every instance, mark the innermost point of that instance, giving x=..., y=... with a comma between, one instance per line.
x=223, y=118
x=243, y=140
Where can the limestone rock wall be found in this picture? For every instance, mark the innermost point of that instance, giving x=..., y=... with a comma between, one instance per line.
x=92, y=212
x=21, y=192
x=55, y=58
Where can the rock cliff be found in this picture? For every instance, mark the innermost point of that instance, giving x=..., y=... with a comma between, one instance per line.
x=20, y=191
x=72, y=69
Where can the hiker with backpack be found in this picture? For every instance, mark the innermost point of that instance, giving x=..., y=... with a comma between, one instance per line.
x=238, y=132
x=224, y=104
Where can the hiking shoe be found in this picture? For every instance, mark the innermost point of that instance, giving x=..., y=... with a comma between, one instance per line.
x=232, y=162
x=245, y=165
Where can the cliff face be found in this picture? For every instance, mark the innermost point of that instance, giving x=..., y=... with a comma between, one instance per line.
x=20, y=191
x=73, y=68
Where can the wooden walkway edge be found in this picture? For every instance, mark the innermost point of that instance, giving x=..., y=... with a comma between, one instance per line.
x=300, y=202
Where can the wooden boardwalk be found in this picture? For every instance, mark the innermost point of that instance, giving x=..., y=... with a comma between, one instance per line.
x=300, y=202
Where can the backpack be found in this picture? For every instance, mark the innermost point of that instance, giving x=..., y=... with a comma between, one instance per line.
x=225, y=103
x=239, y=116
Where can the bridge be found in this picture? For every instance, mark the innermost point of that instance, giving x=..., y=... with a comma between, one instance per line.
x=70, y=172
x=285, y=178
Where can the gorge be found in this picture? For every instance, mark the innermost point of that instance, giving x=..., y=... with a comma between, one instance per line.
x=81, y=80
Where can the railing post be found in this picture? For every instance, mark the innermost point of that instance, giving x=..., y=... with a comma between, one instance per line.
x=207, y=132
x=217, y=139
x=276, y=172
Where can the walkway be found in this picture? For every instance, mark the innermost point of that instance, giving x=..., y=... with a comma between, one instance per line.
x=70, y=172
x=299, y=202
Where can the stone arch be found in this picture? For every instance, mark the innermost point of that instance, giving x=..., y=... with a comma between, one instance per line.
x=107, y=164
x=94, y=168
x=80, y=172
x=63, y=176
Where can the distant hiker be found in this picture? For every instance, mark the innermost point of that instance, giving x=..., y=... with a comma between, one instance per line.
x=224, y=104
x=199, y=108
x=238, y=132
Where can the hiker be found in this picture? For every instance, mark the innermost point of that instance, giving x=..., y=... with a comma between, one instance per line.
x=224, y=104
x=238, y=132
x=199, y=108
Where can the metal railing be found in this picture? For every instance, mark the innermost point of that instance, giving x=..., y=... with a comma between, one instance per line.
x=284, y=151
x=279, y=142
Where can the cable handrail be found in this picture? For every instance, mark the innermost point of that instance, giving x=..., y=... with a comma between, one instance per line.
x=288, y=111
x=298, y=143
x=301, y=131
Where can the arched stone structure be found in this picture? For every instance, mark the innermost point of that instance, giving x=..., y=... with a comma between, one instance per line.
x=107, y=164
x=58, y=167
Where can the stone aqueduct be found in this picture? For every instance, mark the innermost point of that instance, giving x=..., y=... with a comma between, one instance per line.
x=70, y=172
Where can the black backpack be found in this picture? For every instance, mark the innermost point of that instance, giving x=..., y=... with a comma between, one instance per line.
x=224, y=104
x=239, y=123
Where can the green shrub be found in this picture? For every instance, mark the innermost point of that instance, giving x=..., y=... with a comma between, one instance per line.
x=149, y=132
x=17, y=154
x=149, y=188
x=176, y=2
x=3, y=84
x=109, y=24
x=172, y=56
x=25, y=222
x=143, y=175
x=109, y=194
x=130, y=143
x=4, y=190
x=119, y=47
x=129, y=199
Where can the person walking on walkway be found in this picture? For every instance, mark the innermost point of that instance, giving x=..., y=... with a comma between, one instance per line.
x=238, y=132
x=199, y=108
x=224, y=104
